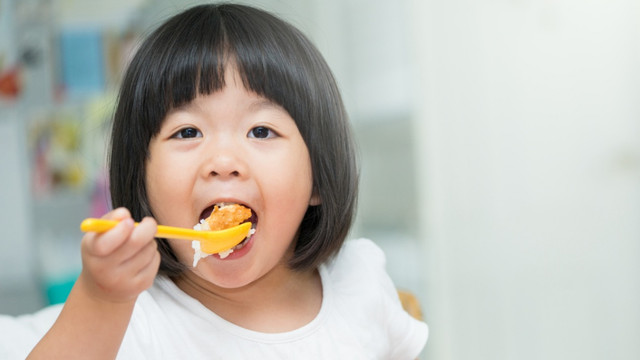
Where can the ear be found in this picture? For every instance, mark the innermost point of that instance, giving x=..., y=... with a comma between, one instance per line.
x=315, y=199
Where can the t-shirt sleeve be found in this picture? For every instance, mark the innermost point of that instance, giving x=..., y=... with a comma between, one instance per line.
x=408, y=333
x=20, y=334
x=407, y=336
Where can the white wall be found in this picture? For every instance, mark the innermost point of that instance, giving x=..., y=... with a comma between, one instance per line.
x=528, y=137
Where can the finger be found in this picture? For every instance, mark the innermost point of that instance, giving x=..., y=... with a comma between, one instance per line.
x=144, y=258
x=106, y=243
x=114, y=272
x=146, y=275
x=134, y=270
x=148, y=225
x=117, y=214
x=142, y=236
x=90, y=239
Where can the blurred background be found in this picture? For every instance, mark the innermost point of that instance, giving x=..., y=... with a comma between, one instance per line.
x=500, y=155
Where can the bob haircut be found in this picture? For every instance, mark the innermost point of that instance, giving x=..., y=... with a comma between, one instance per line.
x=185, y=57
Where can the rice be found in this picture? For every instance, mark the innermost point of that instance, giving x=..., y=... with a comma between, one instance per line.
x=195, y=244
x=224, y=254
x=198, y=254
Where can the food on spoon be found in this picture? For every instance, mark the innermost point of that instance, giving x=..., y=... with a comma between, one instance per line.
x=222, y=217
x=226, y=216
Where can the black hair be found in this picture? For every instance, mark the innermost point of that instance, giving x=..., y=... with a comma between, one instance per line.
x=186, y=56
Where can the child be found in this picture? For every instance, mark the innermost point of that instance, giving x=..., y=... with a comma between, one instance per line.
x=227, y=104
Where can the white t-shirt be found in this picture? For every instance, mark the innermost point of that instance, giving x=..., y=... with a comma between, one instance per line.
x=360, y=318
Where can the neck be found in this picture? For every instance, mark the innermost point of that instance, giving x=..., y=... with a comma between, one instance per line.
x=282, y=300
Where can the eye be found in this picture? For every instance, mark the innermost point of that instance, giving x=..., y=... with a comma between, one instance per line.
x=187, y=133
x=261, y=132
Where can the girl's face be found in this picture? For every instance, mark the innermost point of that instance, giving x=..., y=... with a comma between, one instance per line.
x=232, y=146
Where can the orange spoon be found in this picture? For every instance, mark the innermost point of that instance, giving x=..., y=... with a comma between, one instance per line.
x=211, y=242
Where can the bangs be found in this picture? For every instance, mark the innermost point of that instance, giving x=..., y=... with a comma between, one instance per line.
x=179, y=61
x=190, y=56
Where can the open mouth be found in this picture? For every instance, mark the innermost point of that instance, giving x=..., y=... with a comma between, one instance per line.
x=226, y=219
x=229, y=222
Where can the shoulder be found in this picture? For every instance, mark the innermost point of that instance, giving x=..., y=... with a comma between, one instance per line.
x=360, y=266
x=360, y=262
x=357, y=280
x=366, y=296
x=364, y=247
x=357, y=253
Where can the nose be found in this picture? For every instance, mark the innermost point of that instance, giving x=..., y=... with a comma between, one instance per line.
x=225, y=171
x=224, y=161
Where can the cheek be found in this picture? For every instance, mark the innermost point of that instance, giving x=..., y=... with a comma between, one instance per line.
x=154, y=185
x=303, y=174
x=182, y=250
x=165, y=190
x=294, y=183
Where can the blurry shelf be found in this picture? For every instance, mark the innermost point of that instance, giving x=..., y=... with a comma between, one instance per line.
x=62, y=211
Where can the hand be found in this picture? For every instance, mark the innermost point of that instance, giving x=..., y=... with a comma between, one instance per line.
x=119, y=264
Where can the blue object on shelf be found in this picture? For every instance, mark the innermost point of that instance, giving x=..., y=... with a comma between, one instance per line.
x=58, y=289
x=82, y=61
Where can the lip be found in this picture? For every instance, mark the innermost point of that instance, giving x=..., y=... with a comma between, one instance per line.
x=214, y=259
x=236, y=254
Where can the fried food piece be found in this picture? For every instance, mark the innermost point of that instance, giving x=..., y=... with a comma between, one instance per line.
x=226, y=216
